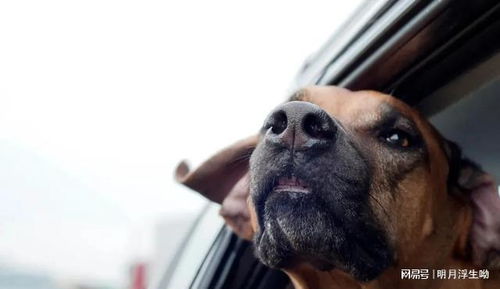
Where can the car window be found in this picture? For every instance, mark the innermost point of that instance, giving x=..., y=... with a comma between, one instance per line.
x=198, y=243
x=473, y=123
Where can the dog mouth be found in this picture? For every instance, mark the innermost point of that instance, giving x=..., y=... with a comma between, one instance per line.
x=281, y=190
x=291, y=184
x=301, y=221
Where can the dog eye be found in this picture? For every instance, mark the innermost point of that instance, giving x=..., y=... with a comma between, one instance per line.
x=397, y=138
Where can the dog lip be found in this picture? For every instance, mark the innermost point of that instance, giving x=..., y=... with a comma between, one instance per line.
x=276, y=183
x=291, y=184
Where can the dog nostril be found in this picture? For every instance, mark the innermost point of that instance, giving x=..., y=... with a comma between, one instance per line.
x=317, y=127
x=278, y=122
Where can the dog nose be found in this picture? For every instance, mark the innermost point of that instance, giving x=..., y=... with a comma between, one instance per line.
x=299, y=125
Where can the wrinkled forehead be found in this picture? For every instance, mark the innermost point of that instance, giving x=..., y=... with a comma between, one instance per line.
x=358, y=108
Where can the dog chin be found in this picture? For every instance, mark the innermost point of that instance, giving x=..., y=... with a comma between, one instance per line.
x=300, y=227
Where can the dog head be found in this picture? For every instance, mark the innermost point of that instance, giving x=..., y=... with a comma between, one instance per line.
x=354, y=181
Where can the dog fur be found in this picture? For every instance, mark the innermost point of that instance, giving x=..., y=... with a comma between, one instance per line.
x=374, y=207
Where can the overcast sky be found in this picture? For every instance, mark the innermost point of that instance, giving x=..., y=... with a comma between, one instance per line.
x=99, y=100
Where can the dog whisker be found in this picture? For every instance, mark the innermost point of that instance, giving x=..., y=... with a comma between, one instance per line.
x=244, y=157
x=380, y=204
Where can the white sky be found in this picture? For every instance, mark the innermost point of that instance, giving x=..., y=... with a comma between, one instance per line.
x=99, y=100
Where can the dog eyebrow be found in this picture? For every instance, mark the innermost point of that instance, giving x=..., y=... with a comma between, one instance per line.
x=391, y=116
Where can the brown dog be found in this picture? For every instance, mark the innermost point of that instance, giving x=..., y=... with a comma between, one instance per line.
x=345, y=189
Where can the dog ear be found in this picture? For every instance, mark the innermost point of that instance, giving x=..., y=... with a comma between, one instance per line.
x=482, y=191
x=224, y=179
x=485, y=231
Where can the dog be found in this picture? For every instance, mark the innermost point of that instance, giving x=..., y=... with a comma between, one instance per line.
x=344, y=189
